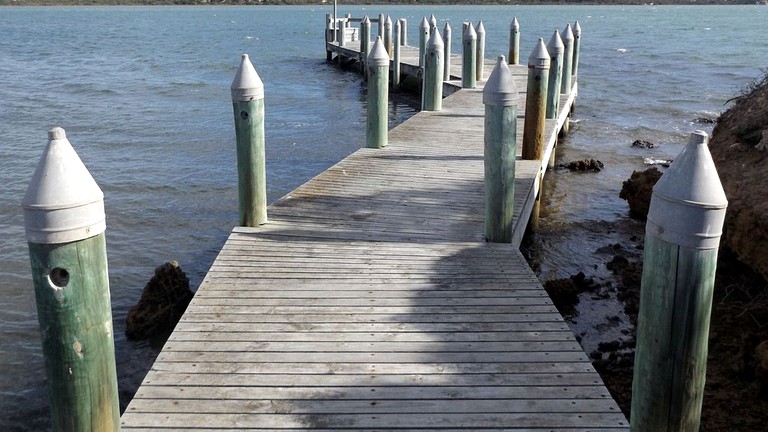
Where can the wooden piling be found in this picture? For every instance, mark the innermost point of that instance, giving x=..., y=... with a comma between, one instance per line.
x=556, y=50
x=447, y=52
x=567, y=36
x=380, y=23
x=65, y=224
x=396, y=56
x=432, y=92
x=469, y=57
x=432, y=24
x=535, y=99
x=388, y=36
x=576, y=51
x=328, y=35
x=376, y=130
x=365, y=42
x=248, y=106
x=514, y=42
x=403, y=32
x=423, y=38
x=682, y=236
x=500, y=141
x=480, y=57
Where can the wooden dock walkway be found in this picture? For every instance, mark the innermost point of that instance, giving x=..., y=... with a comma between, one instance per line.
x=370, y=301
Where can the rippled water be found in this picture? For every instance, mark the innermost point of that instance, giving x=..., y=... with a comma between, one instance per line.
x=144, y=96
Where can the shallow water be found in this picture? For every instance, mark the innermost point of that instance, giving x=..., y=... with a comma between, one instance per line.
x=144, y=96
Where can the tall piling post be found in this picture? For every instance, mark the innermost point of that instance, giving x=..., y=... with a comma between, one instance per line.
x=423, y=39
x=328, y=36
x=535, y=100
x=556, y=49
x=248, y=106
x=365, y=42
x=388, y=36
x=500, y=152
x=514, y=42
x=396, y=56
x=403, y=32
x=480, y=57
x=380, y=23
x=432, y=92
x=376, y=130
x=576, y=52
x=65, y=223
x=682, y=235
x=447, y=52
x=469, y=57
x=567, y=36
x=432, y=24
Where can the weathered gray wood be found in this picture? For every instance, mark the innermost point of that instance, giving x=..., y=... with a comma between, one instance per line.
x=514, y=42
x=535, y=103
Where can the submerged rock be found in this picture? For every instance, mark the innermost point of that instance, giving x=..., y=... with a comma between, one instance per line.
x=737, y=140
x=163, y=302
x=637, y=192
x=584, y=165
x=644, y=144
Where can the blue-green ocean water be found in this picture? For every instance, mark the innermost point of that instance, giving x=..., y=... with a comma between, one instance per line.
x=143, y=93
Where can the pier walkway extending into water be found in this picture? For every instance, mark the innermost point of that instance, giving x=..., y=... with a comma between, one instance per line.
x=370, y=301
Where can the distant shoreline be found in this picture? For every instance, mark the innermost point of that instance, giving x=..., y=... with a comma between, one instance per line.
x=204, y=3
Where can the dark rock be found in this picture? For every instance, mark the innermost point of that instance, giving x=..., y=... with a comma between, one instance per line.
x=617, y=264
x=585, y=165
x=162, y=303
x=643, y=144
x=637, y=192
x=704, y=120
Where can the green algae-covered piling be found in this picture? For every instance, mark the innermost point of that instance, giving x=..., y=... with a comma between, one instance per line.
x=378, y=98
x=500, y=149
x=480, y=57
x=423, y=38
x=365, y=41
x=576, y=51
x=535, y=99
x=567, y=36
x=248, y=107
x=682, y=236
x=556, y=50
x=514, y=42
x=432, y=92
x=65, y=223
x=468, y=57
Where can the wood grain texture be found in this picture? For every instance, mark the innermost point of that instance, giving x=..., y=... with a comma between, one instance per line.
x=372, y=302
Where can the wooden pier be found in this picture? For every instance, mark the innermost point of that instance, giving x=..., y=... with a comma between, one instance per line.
x=370, y=301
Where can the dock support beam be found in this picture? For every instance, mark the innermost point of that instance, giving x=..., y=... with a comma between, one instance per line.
x=500, y=138
x=514, y=42
x=469, y=57
x=248, y=106
x=682, y=236
x=376, y=130
x=535, y=99
x=65, y=224
x=432, y=90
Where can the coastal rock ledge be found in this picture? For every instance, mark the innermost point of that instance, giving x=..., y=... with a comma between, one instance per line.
x=738, y=146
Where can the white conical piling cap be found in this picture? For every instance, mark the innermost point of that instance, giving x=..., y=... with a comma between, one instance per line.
x=480, y=29
x=432, y=21
x=378, y=55
x=424, y=24
x=366, y=20
x=247, y=85
x=388, y=22
x=555, y=45
x=469, y=32
x=576, y=29
x=447, y=27
x=435, y=41
x=500, y=89
x=515, y=24
x=688, y=202
x=539, y=58
x=567, y=35
x=63, y=203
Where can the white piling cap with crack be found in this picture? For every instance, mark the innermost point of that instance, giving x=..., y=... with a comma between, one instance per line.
x=480, y=29
x=469, y=32
x=515, y=24
x=576, y=29
x=435, y=41
x=63, y=203
x=688, y=202
x=500, y=89
x=247, y=85
x=539, y=58
x=424, y=24
x=378, y=55
x=555, y=45
x=567, y=35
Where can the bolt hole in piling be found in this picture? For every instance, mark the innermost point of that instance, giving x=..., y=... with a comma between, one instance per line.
x=244, y=115
x=59, y=277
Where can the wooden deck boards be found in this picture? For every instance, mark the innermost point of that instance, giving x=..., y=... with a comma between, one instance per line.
x=371, y=302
